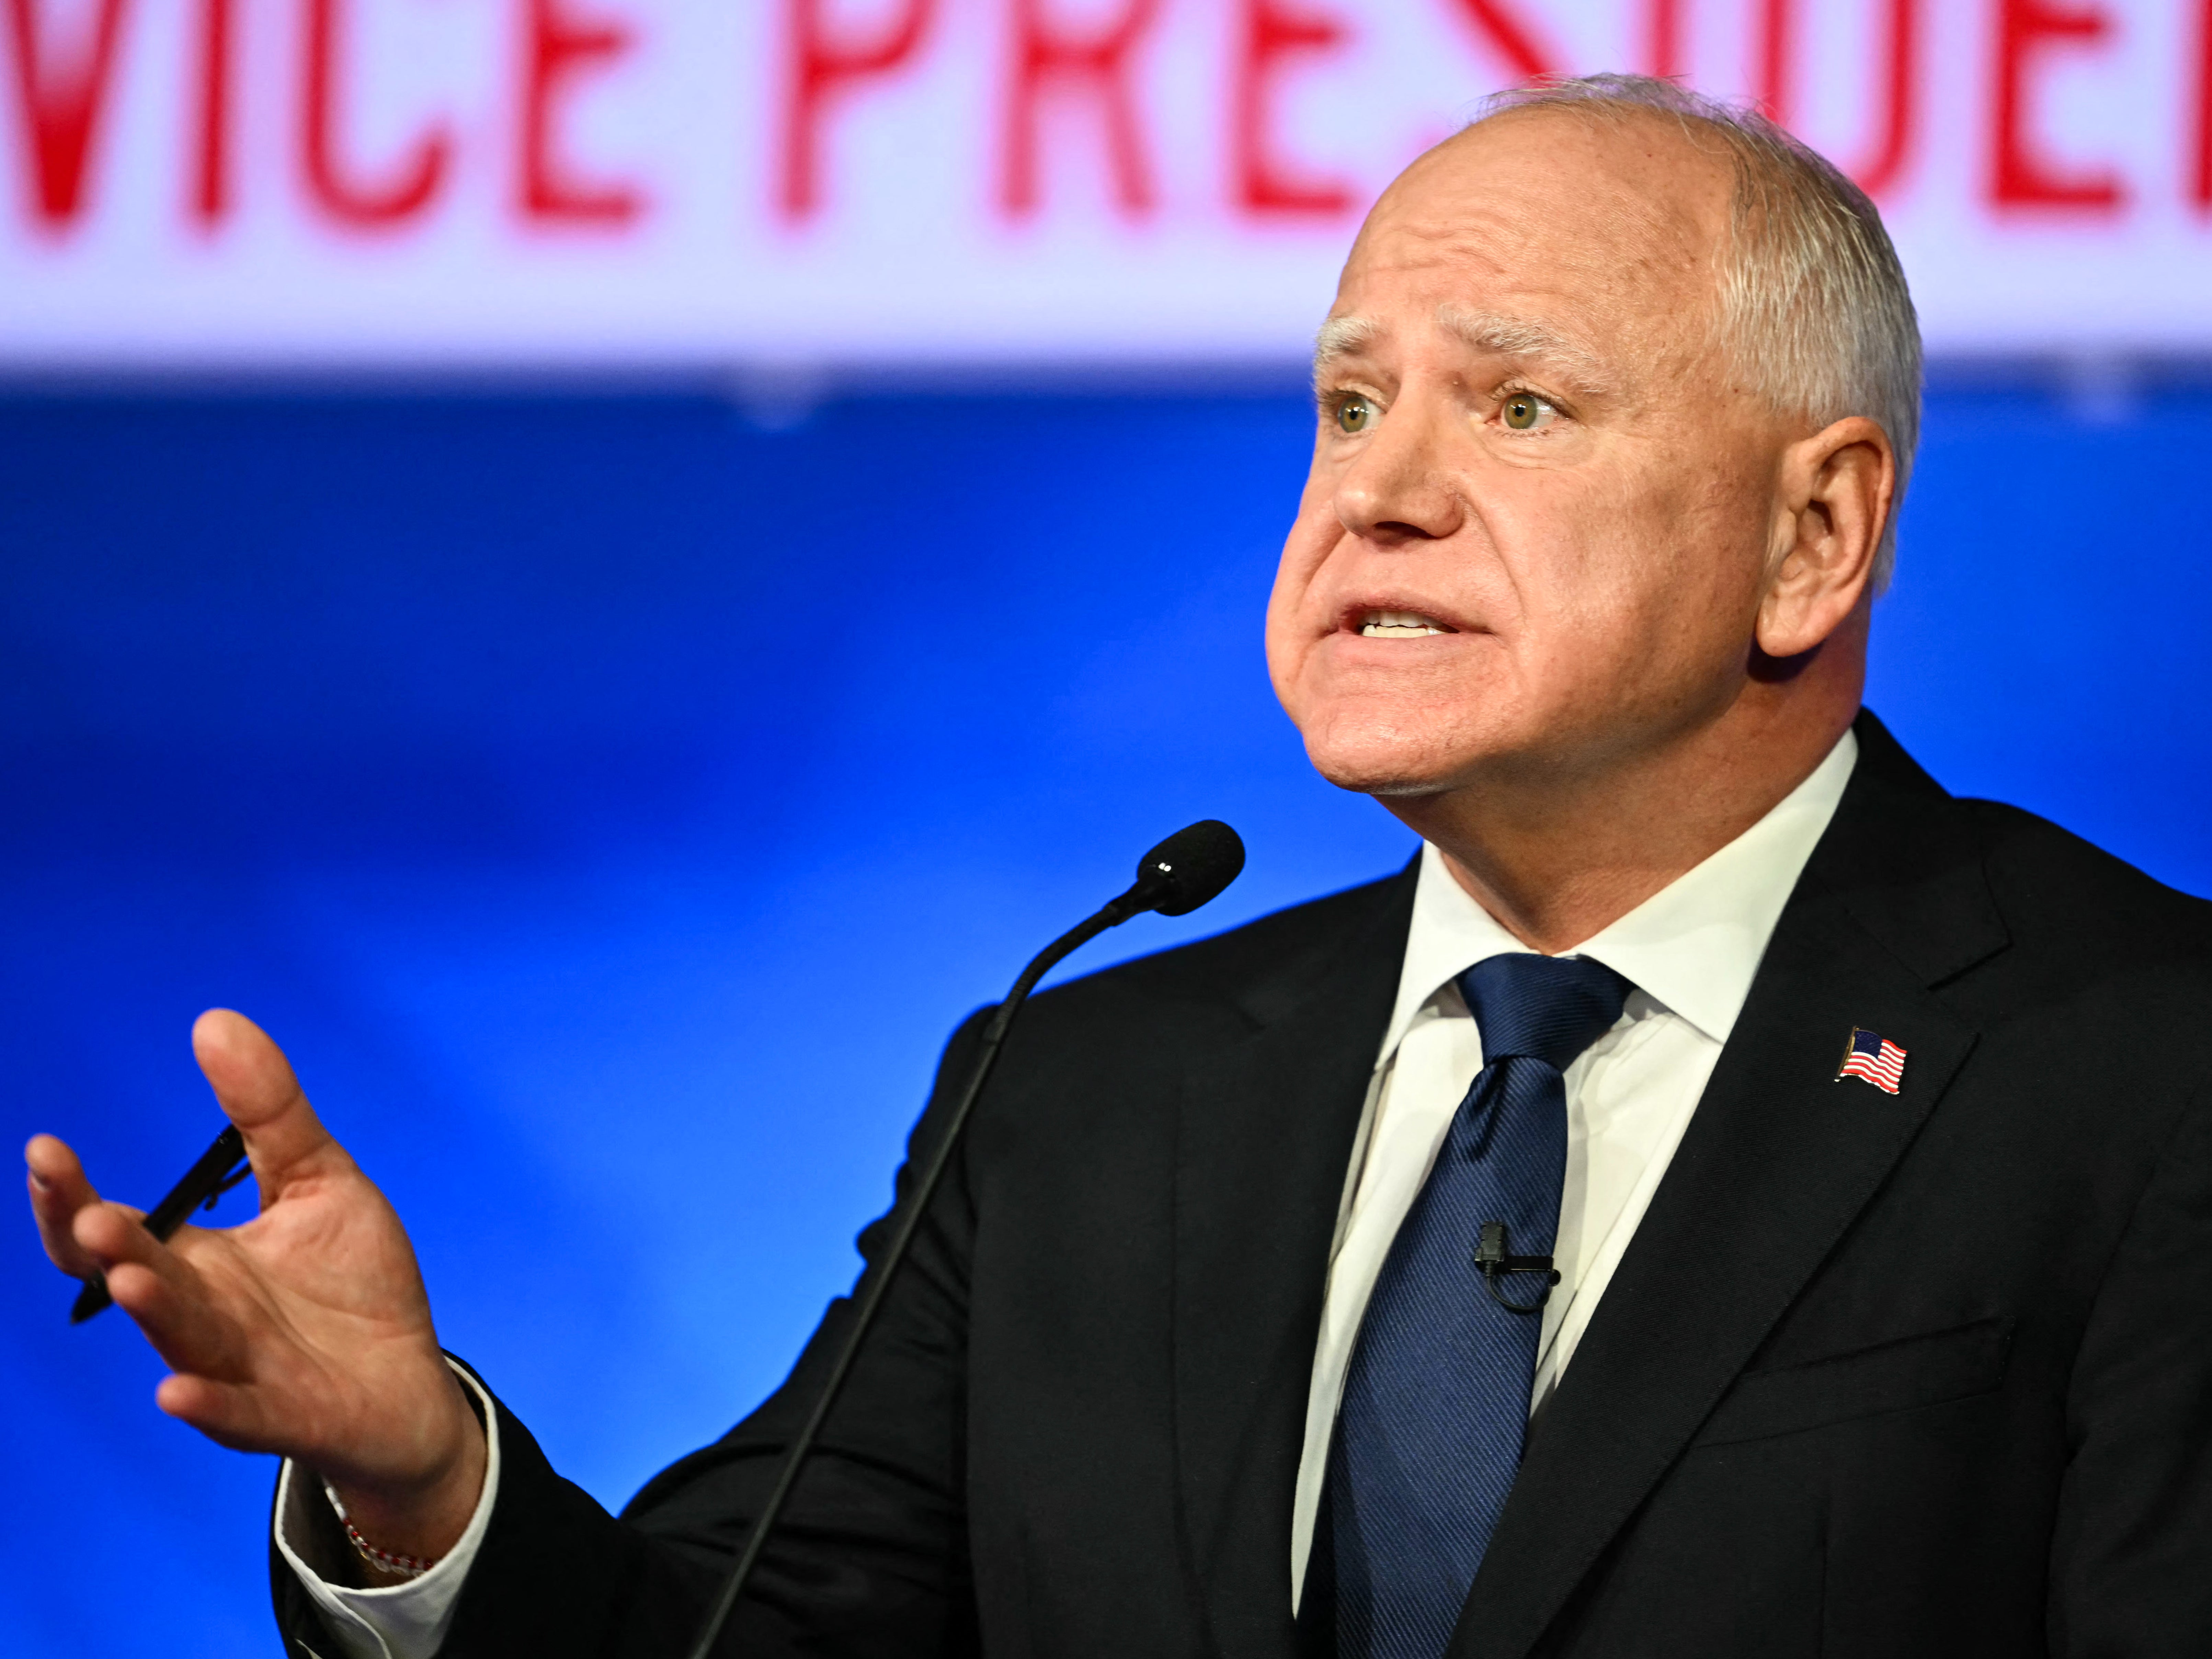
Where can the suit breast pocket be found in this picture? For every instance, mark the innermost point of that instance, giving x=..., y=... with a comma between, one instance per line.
x=1914, y=1371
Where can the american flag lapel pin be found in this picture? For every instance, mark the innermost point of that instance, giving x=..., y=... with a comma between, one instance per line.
x=1874, y=1058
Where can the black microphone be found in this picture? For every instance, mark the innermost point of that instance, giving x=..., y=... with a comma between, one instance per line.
x=1183, y=873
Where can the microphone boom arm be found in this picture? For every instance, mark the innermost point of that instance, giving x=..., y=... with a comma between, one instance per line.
x=1165, y=882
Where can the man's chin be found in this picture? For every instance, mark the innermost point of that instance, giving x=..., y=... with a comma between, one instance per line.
x=1386, y=770
x=1397, y=741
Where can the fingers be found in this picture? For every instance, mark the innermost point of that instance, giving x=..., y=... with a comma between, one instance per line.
x=165, y=1295
x=255, y=1085
x=58, y=1191
x=229, y=1413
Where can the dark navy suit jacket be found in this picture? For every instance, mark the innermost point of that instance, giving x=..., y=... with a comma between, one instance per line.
x=1883, y=1376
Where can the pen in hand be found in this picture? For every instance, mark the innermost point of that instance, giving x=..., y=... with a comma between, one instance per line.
x=219, y=1168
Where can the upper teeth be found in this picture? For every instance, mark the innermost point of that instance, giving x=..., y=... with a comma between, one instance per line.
x=1398, y=625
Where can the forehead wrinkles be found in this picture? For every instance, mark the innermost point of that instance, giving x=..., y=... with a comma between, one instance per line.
x=1641, y=187
x=1614, y=247
x=1621, y=229
x=1601, y=346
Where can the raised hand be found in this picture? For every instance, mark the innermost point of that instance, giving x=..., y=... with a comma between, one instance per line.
x=304, y=1332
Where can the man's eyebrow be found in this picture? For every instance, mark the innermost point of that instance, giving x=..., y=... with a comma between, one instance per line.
x=1340, y=337
x=1519, y=336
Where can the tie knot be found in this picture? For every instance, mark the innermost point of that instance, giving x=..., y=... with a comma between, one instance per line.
x=1548, y=1008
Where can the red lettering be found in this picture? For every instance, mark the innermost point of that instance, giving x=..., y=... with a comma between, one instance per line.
x=820, y=68
x=211, y=201
x=557, y=48
x=2019, y=176
x=1266, y=184
x=363, y=207
x=1510, y=37
x=1896, y=83
x=1778, y=31
x=2200, y=171
x=1044, y=55
x=1663, y=37
x=1898, y=133
x=61, y=108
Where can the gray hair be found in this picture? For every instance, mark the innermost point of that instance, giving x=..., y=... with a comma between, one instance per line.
x=1812, y=299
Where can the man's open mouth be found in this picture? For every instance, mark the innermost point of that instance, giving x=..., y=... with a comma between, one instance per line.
x=1398, y=625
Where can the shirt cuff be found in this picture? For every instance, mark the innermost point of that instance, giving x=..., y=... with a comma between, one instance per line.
x=402, y=1621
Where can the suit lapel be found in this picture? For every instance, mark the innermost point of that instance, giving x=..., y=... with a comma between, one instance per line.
x=1265, y=1139
x=1778, y=1161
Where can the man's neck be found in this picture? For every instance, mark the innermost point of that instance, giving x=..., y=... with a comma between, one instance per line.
x=1558, y=861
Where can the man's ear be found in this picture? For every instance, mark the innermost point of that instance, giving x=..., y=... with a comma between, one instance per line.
x=1836, y=489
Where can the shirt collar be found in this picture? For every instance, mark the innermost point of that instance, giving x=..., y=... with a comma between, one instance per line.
x=1693, y=947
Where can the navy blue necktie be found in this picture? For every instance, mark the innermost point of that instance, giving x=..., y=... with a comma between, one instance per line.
x=1436, y=1401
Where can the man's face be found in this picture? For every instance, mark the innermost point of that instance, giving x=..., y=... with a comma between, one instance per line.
x=1537, y=525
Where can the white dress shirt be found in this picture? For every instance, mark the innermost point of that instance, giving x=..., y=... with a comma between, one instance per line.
x=1690, y=950
x=401, y=1621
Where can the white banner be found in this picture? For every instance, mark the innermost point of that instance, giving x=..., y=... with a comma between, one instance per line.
x=702, y=183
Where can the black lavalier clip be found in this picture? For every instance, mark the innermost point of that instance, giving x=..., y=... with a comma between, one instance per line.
x=1493, y=1263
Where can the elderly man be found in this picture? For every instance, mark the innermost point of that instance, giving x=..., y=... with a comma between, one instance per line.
x=1726, y=1197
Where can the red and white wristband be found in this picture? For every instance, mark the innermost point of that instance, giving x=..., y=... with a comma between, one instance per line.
x=403, y=1566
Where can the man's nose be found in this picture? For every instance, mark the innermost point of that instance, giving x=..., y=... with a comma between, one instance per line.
x=1398, y=489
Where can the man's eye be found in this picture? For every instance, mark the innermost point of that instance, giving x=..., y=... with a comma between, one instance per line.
x=1354, y=413
x=1524, y=411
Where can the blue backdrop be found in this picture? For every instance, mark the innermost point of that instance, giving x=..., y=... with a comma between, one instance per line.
x=611, y=802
